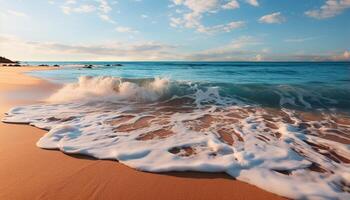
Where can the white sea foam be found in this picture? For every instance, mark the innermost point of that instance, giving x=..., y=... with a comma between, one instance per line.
x=110, y=118
x=111, y=88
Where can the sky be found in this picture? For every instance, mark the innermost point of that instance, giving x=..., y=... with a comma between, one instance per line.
x=189, y=30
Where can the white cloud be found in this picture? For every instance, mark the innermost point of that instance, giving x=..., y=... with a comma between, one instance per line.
x=304, y=39
x=254, y=55
x=273, y=18
x=244, y=41
x=265, y=50
x=237, y=50
x=246, y=48
x=259, y=57
x=200, y=8
x=104, y=6
x=175, y=21
x=66, y=9
x=179, y=11
x=342, y=57
x=232, y=4
x=144, y=16
x=234, y=50
x=70, y=2
x=253, y=2
x=333, y=56
x=104, y=9
x=239, y=44
x=221, y=28
x=330, y=9
x=107, y=18
x=17, y=13
x=85, y=8
x=123, y=29
x=192, y=20
x=177, y=2
x=19, y=49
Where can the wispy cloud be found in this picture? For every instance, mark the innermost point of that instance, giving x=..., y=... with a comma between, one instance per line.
x=245, y=48
x=102, y=7
x=232, y=4
x=248, y=48
x=70, y=2
x=124, y=29
x=107, y=18
x=253, y=2
x=199, y=8
x=330, y=9
x=17, y=48
x=85, y=8
x=337, y=56
x=342, y=57
x=273, y=18
x=300, y=39
x=17, y=13
x=222, y=27
x=235, y=50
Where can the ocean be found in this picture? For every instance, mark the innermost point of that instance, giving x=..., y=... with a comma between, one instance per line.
x=265, y=83
x=282, y=126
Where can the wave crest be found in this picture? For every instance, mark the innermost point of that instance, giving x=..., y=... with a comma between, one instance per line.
x=110, y=88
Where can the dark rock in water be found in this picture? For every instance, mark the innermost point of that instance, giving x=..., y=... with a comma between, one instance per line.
x=88, y=66
x=43, y=65
x=12, y=65
x=118, y=65
x=56, y=65
x=108, y=65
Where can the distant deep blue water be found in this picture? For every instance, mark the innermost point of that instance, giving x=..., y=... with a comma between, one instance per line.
x=304, y=84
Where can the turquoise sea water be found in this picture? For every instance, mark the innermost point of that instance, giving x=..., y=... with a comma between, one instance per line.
x=298, y=84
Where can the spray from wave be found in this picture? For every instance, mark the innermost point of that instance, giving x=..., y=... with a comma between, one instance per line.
x=110, y=88
x=161, y=125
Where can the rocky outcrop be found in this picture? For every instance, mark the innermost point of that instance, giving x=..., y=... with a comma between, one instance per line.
x=5, y=60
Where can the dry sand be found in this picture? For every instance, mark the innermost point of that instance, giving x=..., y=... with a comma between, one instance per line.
x=28, y=172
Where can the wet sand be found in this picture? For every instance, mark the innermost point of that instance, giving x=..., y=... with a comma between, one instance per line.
x=28, y=172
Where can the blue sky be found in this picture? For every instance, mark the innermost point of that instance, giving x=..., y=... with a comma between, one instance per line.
x=237, y=30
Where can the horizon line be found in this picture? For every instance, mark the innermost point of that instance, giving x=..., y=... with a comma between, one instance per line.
x=253, y=61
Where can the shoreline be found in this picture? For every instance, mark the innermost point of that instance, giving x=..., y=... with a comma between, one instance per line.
x=28, y=172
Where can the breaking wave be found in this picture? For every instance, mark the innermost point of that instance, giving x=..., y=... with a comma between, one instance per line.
x=110, y=88
x=290, y=140
x=153, y=89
